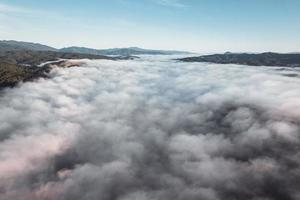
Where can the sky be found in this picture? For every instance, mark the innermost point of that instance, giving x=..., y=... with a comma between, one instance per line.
x=193, y=25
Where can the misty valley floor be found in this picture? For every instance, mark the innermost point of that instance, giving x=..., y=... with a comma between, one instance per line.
x=152, y=128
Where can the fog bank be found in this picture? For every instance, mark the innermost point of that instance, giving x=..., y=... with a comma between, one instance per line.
x=152, y=129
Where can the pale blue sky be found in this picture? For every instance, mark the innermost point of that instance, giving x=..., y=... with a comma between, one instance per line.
x=194, y=25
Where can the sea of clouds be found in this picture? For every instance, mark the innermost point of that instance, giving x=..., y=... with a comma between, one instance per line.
x=152, y=129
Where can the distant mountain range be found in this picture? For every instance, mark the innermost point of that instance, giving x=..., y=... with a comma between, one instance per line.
x=261, y=59
x=11, y=45
x=120, y=51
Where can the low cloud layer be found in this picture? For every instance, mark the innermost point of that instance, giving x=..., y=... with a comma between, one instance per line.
x=152, y=129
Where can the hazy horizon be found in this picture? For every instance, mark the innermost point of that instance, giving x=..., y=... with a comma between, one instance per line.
x=202, y=27
x=193, y=52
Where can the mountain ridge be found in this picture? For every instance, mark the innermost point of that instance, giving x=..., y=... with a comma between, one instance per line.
x=120, y=51
x=258, y=59
x=13, y=45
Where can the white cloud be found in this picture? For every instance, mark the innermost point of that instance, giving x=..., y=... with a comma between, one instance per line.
x=171, y=3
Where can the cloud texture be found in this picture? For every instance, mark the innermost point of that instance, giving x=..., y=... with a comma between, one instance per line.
x=152, y=129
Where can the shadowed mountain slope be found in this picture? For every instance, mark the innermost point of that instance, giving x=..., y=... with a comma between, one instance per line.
x=263, y=59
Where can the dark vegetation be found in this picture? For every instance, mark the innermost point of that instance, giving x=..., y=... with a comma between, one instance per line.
x=22, y=65
x=263, y=59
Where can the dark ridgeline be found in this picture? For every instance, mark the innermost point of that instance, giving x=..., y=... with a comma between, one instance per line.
x=12, y=45
x=22, y=65
x=263, y=59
